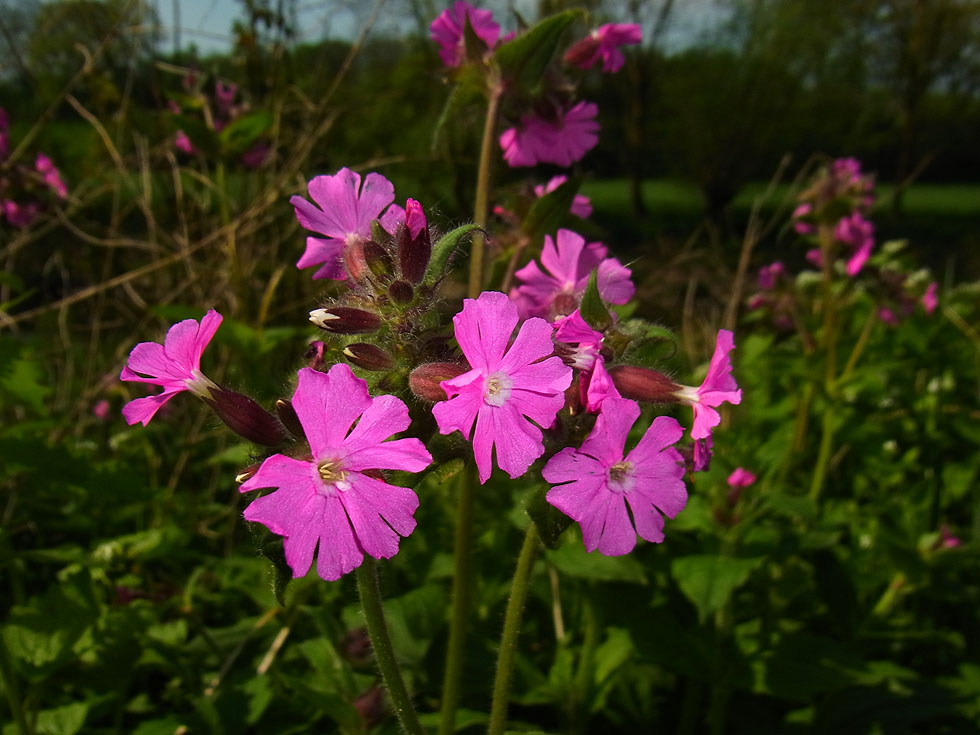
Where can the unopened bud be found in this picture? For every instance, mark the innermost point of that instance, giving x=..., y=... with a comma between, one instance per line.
x=582, y=53
x=345, y=320
x=643, y=384
x=401, y=292
x=247, y=474
x=247, y=418
x=414, y=244
x=425, y=380
x=287, y=414
x=354, y=260
x=368, y=356
x=378, y=259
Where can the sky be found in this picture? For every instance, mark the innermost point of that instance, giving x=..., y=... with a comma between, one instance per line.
x=207, y=23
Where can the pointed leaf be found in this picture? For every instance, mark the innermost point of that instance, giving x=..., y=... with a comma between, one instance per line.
x=524, y=59
x=443, y=249
x=592, y=309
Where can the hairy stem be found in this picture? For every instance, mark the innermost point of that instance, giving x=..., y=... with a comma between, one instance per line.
x=482, y=205
x=512, y=626
x=462, y=573
x=367, y=587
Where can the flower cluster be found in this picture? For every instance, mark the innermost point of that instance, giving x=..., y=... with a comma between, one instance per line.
x=25, y=191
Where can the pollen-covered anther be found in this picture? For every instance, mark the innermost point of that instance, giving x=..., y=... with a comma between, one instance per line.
x=330, y=471
x=498, y=388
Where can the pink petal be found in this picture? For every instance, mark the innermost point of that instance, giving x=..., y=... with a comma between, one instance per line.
x=608, y=439
x=663, y=432
x=600, y=387
x=409, y=455
x=150, y=359
x=329, y=254
x=313, y=218
x=460, y=411
x=649, y=523
x=573, y=467
x=517, y=441
x=563, y=262
x=392, y=217
x=337, y=198
x=613, y=280
x=719, y=377
x=533, y=343
x=280, y=471
x=385, y=417
x=181, y=345
x=339, y=551
x=483, y=329
x=618, y=536
x=143, y=409
x=379, y=513
x=377, y=194
x=705, y=419
x=327, y=404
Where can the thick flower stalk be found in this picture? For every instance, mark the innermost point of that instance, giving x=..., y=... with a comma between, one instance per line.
x=510, y=392
x=333, y=498
x=595, y=483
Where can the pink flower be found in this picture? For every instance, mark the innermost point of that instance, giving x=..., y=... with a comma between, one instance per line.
x=562, y=142
x=599, y=482
x=447, y=31
x=595, y=383
x=183, y=143
x=581, y=206
x=225, y=95
x=799, y=224
x=741, y=478
x=929, y=299
x=718, y=387
x=334, y=498
x=946, y=538
x=568, y=267
x=19, y=215
x=101, y=410
x=175, y=366
x=857, y=232
x=507, y=388
x=770, y=274
x=701, y=454
x=344, y=214
x=256, y=155
x=888, y=316
x=603, y=43
x=51, y=175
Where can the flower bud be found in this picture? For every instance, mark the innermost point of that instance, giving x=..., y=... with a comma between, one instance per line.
x=246, y=417
x=287, y=414
x=425, y=380
x=368, y=356
x=414, y=244
x=401, y=292
x=354, y=260
x=345, y=320
x=643, y=384
x=247, y=474
x=378, y=259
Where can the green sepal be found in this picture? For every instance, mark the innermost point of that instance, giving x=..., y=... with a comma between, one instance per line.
x=550, y=521
x=443, y=249
x=548, y=212
x=378, y=233
x=446, y=471
x=272, y=549
x=592, y=309
x=649, y=344
x=524, y=59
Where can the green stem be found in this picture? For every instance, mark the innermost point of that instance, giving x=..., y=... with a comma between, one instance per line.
x=721, y=692
x=512, y=626
x=859, y=346
x=823, y=456
x=482, y=205
x=367, y=587
x=12, y=690
x=462, y=574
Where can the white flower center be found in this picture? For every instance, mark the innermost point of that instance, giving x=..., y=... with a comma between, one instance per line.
x=199, y=384
x=333, y=477
x=496, y=390
x=688, y=395
x=621, y=479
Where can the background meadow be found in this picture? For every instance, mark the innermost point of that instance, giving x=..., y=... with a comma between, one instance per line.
x=838, y=593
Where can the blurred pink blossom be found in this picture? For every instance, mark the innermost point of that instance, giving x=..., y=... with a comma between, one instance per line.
x=561, y=142
x=447, y=31
x=581, y=206
x=603, y=43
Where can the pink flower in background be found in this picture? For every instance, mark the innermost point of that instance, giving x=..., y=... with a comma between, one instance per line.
x=946, y=538
x=802, y=227
x=256, y=155
x=718, y=387
x=558, y=291
x=51, y=175
x=562, y=142
x=858, y=233
x=343, y=212
x=507, y=387
x=101, y=410
x=581, y=206
x=175, y=366
x=594, y=381
x=19, y=215
x=447, y=31
x=183, y=143
x=225, y=96
x=929, y=299
x=603, y=43
x=333, y=498
x=770, y=274
x=741, y=478
x=701, y=454
x=597, y=481
x=814, y=257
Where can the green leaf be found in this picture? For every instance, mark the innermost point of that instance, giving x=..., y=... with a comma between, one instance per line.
x=468, y=90
x=550, y=521
x=592, y=309
x=549, y=211
x=572, y=559
x=524, y=59
x=66, y=720
x=443, y=249
x=241, y=134
x=650, y=344
x=708, y=580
